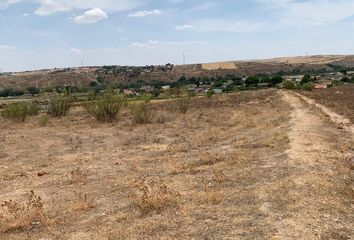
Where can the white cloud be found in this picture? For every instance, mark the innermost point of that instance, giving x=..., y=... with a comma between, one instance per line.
x=227, y=25
x=91, y=16
x=184, y=27
x=145, y=13
x=25, y=15
x=6, y=3
x=309, y=13
x=48, y=7
x=7, y=48
x=75, y=50
x=156, y=43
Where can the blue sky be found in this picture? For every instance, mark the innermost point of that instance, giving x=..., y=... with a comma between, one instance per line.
x=36, y=34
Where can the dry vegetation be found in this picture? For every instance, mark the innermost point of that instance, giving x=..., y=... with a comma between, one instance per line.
x=219, y=171
x=339, y=98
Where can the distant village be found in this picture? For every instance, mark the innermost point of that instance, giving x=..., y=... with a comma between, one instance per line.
x=196, y=85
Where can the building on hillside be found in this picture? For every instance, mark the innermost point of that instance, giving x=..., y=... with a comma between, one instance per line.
x=217, y=90
x=147, y=88
x=191, y=87
x=129, y=91
x=167, y=87
x=321, y=86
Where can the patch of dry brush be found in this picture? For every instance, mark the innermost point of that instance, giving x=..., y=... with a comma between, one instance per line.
x=15, y=215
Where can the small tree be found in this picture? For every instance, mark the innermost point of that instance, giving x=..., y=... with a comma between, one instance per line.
x=345, y=79
x=276, y=80
x=33, y=90
x=252, y=81
x=306, y=79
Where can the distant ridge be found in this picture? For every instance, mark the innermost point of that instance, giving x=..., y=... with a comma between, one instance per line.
x=125, y=74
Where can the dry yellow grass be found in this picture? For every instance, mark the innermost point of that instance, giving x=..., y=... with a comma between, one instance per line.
x=220, y=171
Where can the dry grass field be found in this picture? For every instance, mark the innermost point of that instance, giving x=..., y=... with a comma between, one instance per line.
x=250, y=165
x=339, y=99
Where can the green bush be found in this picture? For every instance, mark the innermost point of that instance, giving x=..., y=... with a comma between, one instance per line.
x=18, y=112
x=307, y=86
x=59, y=105
x=142, y=113
x=209, y=93
x=289, y=85
x=306, y=79
x=105, y=108
x=32, y=109
x=43, y=121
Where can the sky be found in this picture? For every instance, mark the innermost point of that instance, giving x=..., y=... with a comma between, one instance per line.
x=39, y=34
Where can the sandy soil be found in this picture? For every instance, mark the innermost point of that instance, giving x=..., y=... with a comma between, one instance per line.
x=251, y=165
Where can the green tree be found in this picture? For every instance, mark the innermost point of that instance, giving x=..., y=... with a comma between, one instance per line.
x=345, y=79
x=276, y=80
x=252, y=81
x=33, y=90
x=306, y=79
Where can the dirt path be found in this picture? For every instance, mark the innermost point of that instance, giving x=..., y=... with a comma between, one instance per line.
x=318, y=202
x=339, y=120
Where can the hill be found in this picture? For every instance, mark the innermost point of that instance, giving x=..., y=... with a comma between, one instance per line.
x=171, y=73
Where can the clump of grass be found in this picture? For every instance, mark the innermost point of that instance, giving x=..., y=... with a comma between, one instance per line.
x=15, y=215
x=18, y=112
x=183, y=104
x=81, y=203
x=78, y=176
x=105, y=108
x=154, y=196
x=212, y=189
x=43, y=121
x=32, y=109
x=142, y=113
x=60, y=105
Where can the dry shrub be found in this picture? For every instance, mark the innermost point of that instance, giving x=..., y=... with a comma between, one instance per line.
x=18, y=112
x=81, y=203
x=142, y=113
x=183, y=104
x=78, y=176
x=59, y=105
x=206, y=159
x=162, y=118
x=15, y=215
x=175, y=168
x=154, y=196
x=106, y=108
x=212, y=189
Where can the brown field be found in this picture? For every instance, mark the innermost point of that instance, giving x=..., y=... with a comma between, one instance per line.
x=339, y=99
x=221, y=65
x=250, y=165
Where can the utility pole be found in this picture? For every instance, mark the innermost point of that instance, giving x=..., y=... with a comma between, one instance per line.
x=184, y=59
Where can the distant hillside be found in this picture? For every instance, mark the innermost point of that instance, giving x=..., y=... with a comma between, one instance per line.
x=170, y=73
